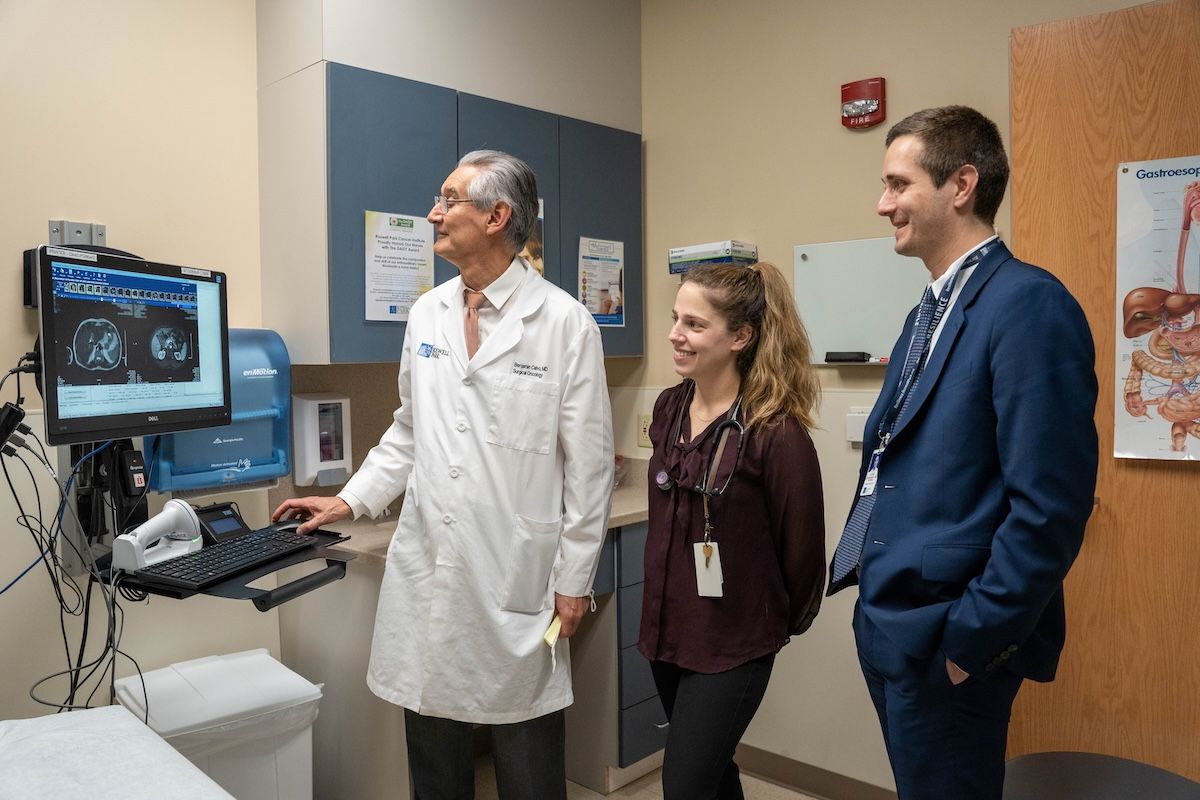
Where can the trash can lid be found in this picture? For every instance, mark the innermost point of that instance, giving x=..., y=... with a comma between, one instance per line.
x=206, y=692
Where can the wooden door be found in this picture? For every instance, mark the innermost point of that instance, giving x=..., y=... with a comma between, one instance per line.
x=1088, y=94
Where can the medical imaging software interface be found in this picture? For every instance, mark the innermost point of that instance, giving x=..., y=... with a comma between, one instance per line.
x=131, y=343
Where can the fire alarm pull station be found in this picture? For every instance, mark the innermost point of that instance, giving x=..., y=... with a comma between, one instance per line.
x=864, y=103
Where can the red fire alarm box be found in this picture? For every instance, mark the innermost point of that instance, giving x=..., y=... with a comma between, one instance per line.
x=863, y=103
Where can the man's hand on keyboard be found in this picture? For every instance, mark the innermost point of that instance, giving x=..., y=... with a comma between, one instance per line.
x=315, y=511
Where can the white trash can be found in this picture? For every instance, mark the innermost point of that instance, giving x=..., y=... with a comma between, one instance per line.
x=243, y=718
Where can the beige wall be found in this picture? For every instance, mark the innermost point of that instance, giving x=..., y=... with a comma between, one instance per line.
x=740, y=105
x=137, y=114
x=141, y=115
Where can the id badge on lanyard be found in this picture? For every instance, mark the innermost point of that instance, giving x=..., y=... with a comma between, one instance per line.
x=868, y=486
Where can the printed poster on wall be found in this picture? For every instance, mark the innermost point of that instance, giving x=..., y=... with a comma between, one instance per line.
x=399, y=264
x=1158, y=294
x=602, y=280
x=534, y=250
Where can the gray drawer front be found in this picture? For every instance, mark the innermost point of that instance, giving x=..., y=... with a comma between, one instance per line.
x=606, y=570
x=637, y=681
x=629, y=614
x=643, y=731
x=631, y=546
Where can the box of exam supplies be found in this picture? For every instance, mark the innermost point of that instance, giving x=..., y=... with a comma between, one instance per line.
x=243, y=718
x=681, y=259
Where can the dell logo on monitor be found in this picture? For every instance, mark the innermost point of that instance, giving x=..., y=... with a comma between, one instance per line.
x=152, y=418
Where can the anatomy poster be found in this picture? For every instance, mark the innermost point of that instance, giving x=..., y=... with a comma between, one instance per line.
x=1158, y=322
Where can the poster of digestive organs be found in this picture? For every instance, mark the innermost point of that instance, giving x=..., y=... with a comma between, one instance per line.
x=1158, y=310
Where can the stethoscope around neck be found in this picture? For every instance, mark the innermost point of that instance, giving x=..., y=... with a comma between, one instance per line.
x=720, y=438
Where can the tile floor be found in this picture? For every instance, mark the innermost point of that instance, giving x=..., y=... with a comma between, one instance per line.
x=646, y=788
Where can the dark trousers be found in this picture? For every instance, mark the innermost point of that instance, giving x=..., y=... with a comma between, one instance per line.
x=945, y=742
x=529, y=758
x=708, y=715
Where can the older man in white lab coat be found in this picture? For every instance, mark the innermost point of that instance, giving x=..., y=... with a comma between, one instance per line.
x=503, y=448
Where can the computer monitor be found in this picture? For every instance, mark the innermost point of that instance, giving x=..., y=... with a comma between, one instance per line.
x=130, y=347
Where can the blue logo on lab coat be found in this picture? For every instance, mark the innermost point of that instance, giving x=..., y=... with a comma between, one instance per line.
x=426, y=350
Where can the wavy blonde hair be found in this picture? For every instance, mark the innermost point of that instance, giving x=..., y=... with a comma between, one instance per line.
x=776, y=366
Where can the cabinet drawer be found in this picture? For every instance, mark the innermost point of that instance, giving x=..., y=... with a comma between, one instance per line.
x=629, y=615
x=631, y=547
x=606, y=570
x=643, y=731
x=637, y=681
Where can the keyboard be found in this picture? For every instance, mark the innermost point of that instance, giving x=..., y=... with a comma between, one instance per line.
x=216, y=562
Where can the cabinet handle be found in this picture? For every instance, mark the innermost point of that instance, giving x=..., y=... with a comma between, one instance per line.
x=660, y=727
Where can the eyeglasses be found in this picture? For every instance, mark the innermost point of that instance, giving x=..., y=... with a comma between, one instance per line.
x=443, y=203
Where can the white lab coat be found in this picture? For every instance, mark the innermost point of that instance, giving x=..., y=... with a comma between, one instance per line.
x=506, y=463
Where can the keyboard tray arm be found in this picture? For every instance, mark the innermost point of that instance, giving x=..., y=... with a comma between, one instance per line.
x=238, y=587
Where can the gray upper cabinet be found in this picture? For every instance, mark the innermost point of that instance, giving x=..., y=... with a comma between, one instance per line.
x=391, y=144
x=336, y=141
x=600, y=176
x=528, y=134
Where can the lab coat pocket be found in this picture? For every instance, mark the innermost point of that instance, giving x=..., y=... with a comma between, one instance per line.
x=530, y=559
x=523, y=414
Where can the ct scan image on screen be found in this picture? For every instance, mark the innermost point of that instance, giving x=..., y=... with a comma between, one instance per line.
x=127, y=342
x=126, y=333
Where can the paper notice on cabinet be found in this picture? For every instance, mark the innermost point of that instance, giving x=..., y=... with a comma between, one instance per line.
x=399, y=264
x=602, y=280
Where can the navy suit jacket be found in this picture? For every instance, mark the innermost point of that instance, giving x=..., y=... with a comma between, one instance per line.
x=987, y=483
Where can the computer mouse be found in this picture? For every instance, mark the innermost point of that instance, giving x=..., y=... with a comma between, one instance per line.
x=288, y=524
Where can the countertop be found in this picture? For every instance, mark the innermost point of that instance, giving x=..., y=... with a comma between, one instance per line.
x=370, y=538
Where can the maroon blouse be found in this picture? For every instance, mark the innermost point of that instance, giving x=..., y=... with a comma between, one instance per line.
x=770, y=529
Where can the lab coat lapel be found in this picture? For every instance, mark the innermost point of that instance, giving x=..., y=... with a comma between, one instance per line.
x=506, y=335
x=451, y=331
x=950, y=331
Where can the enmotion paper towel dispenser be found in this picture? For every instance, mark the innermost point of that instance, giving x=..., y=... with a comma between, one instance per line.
x=256, y=446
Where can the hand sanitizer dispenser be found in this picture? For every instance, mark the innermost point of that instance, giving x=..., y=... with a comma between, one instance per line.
x=321, y=428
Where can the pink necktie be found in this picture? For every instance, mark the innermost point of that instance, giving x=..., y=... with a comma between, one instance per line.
x=474, y=301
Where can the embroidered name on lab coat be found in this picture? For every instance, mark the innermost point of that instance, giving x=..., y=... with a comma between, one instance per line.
x=530, y=370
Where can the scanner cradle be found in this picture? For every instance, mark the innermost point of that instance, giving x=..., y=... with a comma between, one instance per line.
x=173, y=532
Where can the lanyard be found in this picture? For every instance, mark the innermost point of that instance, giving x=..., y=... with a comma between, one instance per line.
x=908, y=381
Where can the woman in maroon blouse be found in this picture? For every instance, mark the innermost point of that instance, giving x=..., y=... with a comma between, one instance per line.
x=735, y=557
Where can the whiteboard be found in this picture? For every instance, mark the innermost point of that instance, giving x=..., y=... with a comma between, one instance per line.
x=856, y=295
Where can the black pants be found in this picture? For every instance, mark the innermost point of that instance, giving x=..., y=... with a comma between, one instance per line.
x=529, y=758
x=708, y=715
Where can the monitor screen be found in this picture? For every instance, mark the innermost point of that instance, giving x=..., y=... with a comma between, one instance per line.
x=130, y=347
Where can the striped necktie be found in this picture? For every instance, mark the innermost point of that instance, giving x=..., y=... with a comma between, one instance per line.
x=854, y=537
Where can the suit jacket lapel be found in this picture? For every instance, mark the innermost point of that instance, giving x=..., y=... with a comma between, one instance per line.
x=950, y=331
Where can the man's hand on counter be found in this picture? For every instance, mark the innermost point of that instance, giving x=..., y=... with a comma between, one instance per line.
x=570, y=611
x=315, y=511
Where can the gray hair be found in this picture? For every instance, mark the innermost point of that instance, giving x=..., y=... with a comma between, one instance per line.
x=504, y=177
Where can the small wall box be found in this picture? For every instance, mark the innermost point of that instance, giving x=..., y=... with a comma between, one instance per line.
x=321, y=429
x=681, y=259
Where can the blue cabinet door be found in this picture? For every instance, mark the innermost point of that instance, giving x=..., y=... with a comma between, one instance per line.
x=600, y=176
x=485, y=124
x=391, y=143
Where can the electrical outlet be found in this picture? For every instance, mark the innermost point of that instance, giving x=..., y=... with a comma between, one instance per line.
x=644, y=430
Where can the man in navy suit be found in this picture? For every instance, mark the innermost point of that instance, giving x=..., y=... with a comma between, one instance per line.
x=978, y=471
